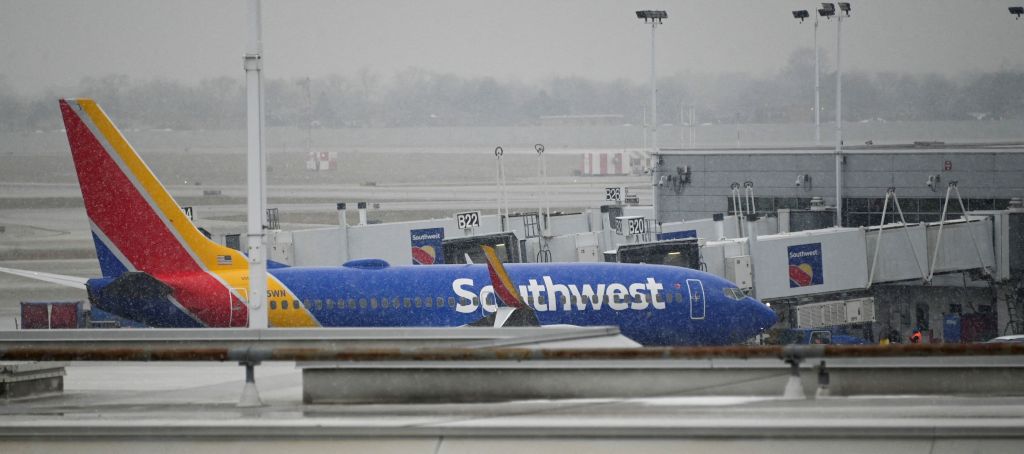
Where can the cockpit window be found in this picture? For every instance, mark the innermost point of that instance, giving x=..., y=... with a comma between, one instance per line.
x=734, y=293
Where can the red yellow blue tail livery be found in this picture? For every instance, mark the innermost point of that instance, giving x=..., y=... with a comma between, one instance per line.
x=143, y=237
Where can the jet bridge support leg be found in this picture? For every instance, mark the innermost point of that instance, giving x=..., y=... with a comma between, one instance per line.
x=1008, y=308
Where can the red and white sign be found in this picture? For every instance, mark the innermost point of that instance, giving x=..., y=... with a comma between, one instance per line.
x=605, y=163
x=322, y=160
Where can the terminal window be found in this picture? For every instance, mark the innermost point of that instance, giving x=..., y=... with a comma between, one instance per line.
x=859, y=212
x=866, y=211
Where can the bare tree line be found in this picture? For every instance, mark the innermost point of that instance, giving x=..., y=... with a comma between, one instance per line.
x=419, y=98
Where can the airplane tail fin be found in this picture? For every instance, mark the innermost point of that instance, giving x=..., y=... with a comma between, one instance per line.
x=135, y=223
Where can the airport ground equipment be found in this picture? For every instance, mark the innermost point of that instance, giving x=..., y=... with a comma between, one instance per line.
x=30, y=379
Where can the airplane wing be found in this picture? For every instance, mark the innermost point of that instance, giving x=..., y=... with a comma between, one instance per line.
x=59, y=279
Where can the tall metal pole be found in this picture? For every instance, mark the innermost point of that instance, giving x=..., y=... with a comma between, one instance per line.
x=643, y=124
x=256, y=174
x=839, y=121
x=654, y=133
x=654, y=95
x=817, y=87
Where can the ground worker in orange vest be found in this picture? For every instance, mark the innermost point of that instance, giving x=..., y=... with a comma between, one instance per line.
x=916, y=337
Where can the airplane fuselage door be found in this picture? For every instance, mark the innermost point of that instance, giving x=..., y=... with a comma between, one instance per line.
x=697, y=300
x=235, y=310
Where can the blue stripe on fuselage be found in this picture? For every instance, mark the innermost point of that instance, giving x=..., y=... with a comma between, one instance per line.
x=725, y=320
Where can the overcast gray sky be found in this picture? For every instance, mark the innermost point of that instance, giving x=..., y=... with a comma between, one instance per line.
x=46, y=43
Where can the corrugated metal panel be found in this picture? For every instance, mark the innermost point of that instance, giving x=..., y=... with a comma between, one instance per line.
x=834, y=313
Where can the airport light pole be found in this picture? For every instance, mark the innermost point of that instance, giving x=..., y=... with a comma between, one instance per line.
x=653, y=17
x=803, y=14
x=256, y=170
x=827, y=11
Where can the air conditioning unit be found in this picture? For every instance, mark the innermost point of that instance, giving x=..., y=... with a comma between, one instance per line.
x=737, y=270
x=831, y=313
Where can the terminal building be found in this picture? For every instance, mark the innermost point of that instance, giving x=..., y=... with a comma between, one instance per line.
x=695, y=183
x=797, y=187
x=765, y=219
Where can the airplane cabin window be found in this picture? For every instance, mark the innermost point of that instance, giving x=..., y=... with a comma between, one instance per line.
x=284, y=304
x=407, y=302
x=351, y=303
x=440, y=302
x=362, y=303
x=273, y=305
x=384, y=302
x=428, y=302
x=419, y=302
x=373, y=303
x=297, y=304
x=451, y=301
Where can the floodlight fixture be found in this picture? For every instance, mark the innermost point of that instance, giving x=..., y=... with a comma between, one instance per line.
x=1017, y=11
x=845, y=7
x=827, y=10
x=802, y=14
x=652, y=15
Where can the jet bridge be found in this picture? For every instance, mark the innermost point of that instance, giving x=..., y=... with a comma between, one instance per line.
x=840, y=270
x=786, y=265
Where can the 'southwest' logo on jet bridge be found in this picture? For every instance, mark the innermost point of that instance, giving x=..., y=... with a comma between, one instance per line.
x=616, y=296
x=805, y=265
x=427, y=246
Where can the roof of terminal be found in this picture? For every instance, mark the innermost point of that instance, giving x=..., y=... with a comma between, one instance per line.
x=915, y=148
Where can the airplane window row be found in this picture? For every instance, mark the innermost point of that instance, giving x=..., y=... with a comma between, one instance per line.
x=440, y=302
x=385, y=303
x=284, y=304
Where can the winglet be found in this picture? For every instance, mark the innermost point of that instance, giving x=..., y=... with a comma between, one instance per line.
x=503, y=287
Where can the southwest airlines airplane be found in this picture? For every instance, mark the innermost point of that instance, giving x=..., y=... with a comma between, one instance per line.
x=159, y=269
